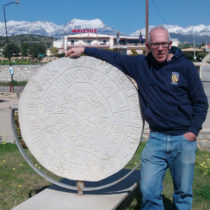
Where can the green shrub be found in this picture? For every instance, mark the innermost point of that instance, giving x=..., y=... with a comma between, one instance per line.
x=16, y=83
x=133, y=51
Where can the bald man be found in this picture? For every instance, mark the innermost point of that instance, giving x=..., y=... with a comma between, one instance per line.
x=174, y=104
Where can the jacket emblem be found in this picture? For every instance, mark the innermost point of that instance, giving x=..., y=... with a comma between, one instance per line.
x=174, y=78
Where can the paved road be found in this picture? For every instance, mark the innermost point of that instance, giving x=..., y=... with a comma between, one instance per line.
x=6, y=89
x=5, y=124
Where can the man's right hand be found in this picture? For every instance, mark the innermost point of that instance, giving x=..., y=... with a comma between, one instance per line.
x=75, y=52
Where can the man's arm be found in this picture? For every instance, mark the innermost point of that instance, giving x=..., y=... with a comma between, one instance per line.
x=190, y=136
x=198, y=100
x=127, y=64
x=75, y=52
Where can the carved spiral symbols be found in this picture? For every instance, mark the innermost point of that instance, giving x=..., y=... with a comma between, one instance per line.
x=80, y=118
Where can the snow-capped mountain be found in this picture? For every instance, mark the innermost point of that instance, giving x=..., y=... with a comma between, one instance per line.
x=85, y=24
x=75, y=23
x=200, y=33
x=25, y=27
x=200, y=30
x=50, y=29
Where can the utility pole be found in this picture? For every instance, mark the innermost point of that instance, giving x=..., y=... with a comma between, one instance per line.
x=7, y=44
x=194, y=47
x=147, y=24
x=118, y=41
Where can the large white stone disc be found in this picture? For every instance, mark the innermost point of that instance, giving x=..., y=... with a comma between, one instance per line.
x=80, y=118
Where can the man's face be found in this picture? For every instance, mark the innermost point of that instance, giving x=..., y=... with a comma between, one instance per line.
x=159, y=45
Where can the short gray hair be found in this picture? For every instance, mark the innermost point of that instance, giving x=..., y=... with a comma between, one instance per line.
x=155, y=28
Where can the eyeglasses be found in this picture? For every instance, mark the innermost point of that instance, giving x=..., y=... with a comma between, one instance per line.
x=157, y=44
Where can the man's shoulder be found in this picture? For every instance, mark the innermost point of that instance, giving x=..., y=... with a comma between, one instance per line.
x=185, y=62
x=189, y=64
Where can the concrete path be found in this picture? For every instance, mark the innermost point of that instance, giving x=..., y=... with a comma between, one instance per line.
x=6, y=100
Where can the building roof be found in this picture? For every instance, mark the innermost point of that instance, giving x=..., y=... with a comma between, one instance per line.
x=94, y=35
x=191, y=49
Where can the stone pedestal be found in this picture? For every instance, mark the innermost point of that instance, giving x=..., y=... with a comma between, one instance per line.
x=56, y=198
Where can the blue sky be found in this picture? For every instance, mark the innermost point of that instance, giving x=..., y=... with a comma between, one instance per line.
x=124, y=15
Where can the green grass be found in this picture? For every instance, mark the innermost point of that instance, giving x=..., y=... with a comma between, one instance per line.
x=16, y=83
x=20, y=62
x=18, y=181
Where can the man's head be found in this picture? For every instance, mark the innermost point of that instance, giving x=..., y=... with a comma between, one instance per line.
x=159, y=43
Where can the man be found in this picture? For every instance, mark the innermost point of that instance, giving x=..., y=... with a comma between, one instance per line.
x=174, y=104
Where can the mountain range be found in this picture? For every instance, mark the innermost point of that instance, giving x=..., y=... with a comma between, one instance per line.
x=44, y=28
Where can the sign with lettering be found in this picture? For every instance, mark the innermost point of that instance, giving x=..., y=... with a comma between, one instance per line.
x=84, y=30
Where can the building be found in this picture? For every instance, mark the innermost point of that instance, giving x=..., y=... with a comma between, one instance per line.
x=89, y=39
x=208, y=48
x=60, y=45
x=124, y=45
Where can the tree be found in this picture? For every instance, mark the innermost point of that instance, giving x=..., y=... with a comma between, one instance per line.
x=36, y=49
x=189, y=55
x=54, y=51
x=185, y=45
x=24, y=49
x=11, y=50
x=202, y=44
x=201, y=55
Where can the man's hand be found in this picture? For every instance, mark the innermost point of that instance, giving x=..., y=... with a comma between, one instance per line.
x=75, y=52
x=190, y=136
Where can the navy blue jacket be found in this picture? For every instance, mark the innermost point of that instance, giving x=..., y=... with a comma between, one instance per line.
x=171, y=94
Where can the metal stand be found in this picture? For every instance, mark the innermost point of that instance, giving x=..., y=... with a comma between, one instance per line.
x=80, y=188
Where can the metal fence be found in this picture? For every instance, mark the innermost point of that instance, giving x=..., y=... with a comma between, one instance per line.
x=6, y=89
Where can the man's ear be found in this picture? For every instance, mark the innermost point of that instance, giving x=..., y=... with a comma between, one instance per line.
x=148, y=45
x=170, y=44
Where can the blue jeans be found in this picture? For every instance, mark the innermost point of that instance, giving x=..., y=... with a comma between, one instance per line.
x=162, y=152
